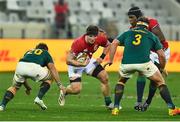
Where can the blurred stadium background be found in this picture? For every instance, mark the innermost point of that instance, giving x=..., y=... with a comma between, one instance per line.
x=35, y=18
x=24, y=23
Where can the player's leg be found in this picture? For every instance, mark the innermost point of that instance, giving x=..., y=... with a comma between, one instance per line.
x=102, y=75
x=74, y=74
x=74, y=87
x=165, y=94
x=44, y=76
x=11, y=91
x=44, y=87
x=140, y=85
x=119, y=88
x=152, y=86
x=152, y=91
x=154, y=74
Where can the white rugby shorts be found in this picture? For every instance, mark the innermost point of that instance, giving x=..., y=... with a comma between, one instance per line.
x=76, y=72
x=154, y=57
x=146, y=69
x=34, y=71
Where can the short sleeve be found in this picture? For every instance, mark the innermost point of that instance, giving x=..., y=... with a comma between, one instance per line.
x=74, y=47
x=121, y=38
x=48, y=57
x=153, y=23
x=157, y=45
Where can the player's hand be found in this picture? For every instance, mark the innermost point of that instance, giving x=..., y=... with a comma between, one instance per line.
x=99, y=60
x=28, y=91
x=86, y=62
x=164, y=73
x=62, y=88
x=107, y=64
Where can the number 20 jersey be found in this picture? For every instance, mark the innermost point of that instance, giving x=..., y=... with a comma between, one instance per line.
x=38, y=56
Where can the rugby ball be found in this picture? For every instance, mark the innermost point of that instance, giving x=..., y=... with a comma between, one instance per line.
x=81, y=57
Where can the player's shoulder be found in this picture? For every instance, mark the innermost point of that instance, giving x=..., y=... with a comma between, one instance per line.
x=79, y=39
x=44, y=52
x=152, y=20
x=128, y=31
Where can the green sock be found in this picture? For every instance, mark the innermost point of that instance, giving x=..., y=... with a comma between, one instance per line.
x=107, y=100
x=141, y=82
x=119, y=90
x=164, y=92
x=43, y=89
x=7, y=97
x=152, y=91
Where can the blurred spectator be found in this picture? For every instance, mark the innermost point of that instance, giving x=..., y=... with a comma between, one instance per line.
x=178, y=1
x=109, y=26
x=62, y=26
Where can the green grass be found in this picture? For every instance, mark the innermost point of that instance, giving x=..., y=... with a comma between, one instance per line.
x=89, y=105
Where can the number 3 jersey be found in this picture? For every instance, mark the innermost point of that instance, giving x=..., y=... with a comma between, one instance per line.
x=138, y=42
x=38, y=56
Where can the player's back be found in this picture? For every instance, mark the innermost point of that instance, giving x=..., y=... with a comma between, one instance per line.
x=38, y=56
x=138, y=42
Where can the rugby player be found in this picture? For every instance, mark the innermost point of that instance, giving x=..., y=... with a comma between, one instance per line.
x=89, y=44
x=38, y=65
x=134, y=14
x=138, y=43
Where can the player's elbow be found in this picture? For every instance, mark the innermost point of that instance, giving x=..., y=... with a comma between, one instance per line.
x=162, y=55
x=68, y=61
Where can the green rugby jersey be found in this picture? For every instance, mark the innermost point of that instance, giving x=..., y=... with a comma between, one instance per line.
x=38, y=56
x=137, y=44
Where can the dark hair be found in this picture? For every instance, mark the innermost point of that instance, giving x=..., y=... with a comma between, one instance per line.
x=142, y=21
x=92, y=30
x=42, y=46
x=136, y=11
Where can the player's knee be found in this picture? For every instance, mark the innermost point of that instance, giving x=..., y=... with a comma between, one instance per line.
x=45, y=85
x=104, y=78
x=119, y=88
x=76, y=89
x=122, y=81
x=17, y=85
x=162, y=87
x=49, y=81
x=13, y=89
x=160, y=83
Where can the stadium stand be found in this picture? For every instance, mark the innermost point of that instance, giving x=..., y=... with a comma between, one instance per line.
x=83, y=13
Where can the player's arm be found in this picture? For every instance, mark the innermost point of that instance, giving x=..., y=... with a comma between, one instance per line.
x=55, y=74
x=104, y=53
x=162, y=58
x=157, y=31
x=70, y=60
x=106, y=49
x=112, y=51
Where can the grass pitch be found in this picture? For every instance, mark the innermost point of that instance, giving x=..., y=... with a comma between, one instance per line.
x=89, y=105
